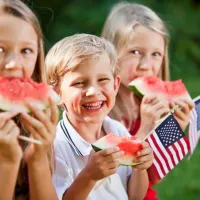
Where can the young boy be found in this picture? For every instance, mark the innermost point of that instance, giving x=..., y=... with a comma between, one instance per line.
x=83, y=70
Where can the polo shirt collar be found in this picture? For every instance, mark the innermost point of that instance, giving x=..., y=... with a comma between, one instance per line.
x=80, y=146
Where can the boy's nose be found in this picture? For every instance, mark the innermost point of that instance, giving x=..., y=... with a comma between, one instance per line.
x=92, y=91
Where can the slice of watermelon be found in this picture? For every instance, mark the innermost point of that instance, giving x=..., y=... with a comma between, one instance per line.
x=169, y=90
x=129, y=145
x=15, y=92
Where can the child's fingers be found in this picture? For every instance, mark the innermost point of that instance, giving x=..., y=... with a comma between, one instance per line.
x=184, y=106
x=144, y=151
x=150, y=99
x=34, y=126
x=8, y=127
x=40, y=116
x=108, y=151
x=5, y=116
x=114, y=156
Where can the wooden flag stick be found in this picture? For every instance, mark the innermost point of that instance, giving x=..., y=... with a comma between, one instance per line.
x=28, y=139
x=176, y=107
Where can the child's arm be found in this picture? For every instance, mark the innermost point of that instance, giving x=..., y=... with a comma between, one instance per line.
x=100, y=165
x=10, y=155
x=42, y=126
x=138, y=182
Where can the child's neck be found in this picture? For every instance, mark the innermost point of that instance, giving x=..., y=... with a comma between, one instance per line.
x=90, y=132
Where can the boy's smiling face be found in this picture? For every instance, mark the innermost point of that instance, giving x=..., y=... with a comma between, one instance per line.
x=89, y=91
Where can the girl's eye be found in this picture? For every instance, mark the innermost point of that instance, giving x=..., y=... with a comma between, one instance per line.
x=27, y=51
x=1, y=50
x=135, y=52
x=78, y=84
x=156, y=54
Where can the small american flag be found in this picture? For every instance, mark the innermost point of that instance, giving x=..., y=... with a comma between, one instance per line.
x=169, y=145
x=194, y=127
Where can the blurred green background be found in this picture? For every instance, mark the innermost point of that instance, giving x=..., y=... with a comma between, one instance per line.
x=61, y=18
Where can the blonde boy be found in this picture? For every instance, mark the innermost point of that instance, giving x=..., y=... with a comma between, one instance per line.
x=83, y=70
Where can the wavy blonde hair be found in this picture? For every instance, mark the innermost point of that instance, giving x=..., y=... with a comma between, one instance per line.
x=18, y=9
x=118, y=29
x=74, y=50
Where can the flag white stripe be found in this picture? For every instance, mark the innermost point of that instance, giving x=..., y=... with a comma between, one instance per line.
x=174, y=154
x=184, y=146
x=157, y=153
x=164, y=151
x=158, y=168
x=193, y=136
x=179, y=150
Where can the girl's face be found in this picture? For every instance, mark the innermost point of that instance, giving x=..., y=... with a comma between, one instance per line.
x=18, y=47
x=142, y=56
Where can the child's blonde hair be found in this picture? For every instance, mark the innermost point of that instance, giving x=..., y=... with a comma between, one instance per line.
x=122, y=20
x=74, y=50
x=19, y=10
x=119, y=29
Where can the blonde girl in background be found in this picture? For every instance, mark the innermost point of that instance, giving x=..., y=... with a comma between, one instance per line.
x=24, y=168
x=141, y=41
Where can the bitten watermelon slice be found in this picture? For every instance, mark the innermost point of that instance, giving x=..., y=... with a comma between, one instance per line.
x=16, y=92
x=130, y=146
x=169, y=90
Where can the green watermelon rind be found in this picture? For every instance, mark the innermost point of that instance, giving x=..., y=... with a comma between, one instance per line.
x=136, y=91
x=96, y=149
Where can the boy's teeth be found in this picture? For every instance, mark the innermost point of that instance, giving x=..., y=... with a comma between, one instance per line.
x=93, y=106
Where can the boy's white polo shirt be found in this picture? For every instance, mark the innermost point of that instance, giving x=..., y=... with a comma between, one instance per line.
x=71, y=155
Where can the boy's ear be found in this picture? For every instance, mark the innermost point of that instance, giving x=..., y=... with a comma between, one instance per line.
x=117, y=82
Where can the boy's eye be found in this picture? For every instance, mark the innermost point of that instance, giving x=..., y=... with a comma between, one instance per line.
x=27, y=51
x=135, y=52
x=103, y=79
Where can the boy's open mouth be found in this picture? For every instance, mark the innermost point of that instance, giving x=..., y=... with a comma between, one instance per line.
x=94, y=106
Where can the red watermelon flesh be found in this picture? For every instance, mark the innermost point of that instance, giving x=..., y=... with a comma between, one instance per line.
x=169, y=90
x=15, y=92
x=129, y=145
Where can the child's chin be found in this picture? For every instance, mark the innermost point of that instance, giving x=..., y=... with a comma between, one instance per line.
x=94, y=120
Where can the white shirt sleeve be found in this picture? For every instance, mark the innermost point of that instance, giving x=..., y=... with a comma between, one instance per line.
x=62, y=176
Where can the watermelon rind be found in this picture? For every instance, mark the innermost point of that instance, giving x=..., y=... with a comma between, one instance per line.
x=136, y=91
x=123, y=161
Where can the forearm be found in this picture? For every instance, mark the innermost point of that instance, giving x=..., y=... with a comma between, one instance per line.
x=80, y=188
x=40, y=180
x=138, y=185
x=8, y=174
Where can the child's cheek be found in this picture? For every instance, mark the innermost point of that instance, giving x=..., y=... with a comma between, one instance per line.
x=76, y=101
x=131, y=73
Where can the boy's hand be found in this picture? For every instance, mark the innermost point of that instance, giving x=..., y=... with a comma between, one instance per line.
x=145, y=156
x=102, y=163
x=183, y=115
x=151, y=110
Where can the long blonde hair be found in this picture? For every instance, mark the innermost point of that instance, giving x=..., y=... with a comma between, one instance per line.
x=118, y=29
x=19, y=10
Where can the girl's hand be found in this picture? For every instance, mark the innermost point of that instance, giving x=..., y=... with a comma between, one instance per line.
x=102, y=163
x=10, y=150
x=42, y=126
x=151, y=110
x=182, y=115
x=145, y=157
